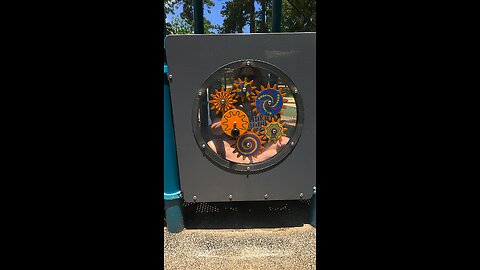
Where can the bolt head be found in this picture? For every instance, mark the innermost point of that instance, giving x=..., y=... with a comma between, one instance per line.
x=170, y=76
x=194, y=198
x=223, y=101
x=248, y=168
x=248, y=63
x=200, y=93
x=292, y=143
x=265, y=196
x=295, y=91
x=230, y=196
x=244, y=89
x=203, y=145
x=301, y=195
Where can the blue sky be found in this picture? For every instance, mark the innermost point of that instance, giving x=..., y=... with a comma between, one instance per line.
x=215, y=16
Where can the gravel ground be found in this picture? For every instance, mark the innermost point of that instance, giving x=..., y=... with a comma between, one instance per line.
x=240, y=236
x=285, y=248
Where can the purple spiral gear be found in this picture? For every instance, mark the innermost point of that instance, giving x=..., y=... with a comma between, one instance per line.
x=248, y=144
x=269, y=102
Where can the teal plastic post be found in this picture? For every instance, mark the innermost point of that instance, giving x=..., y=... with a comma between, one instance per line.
x=172, y=194
x=276, y=15
x=313, y=208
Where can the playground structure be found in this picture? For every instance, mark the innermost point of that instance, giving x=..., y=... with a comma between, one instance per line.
x=243, y=108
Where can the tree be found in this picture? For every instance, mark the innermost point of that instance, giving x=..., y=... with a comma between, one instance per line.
x=179, y=26
x=235, y=17
x=264, y=16
x=301, y=20
x=184, y=23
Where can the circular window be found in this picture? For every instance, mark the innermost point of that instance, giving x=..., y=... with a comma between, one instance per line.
x=247, y=116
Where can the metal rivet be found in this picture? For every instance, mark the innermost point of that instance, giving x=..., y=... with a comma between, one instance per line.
x=230, y=196
x=248, y=63
x=194, y=198
x=200, y=93
x=301, y=195
x=248, y=168
x=292, y=143
x=295, y=91
x=170, y=76
x=203, y=145
x=266, y=196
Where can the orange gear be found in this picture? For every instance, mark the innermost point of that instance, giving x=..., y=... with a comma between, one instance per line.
x=244, y=89
x=234, y=119
x=249, y=145
x=222, y=100
x=273, y=131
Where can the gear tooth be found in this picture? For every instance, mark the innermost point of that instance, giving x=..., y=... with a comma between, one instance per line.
x=274, y=86
x=284, y=107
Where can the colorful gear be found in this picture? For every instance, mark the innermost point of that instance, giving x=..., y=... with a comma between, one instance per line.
x=222, y=101
x=249, y=145
x=244, y=89
x=273, y=130
x=234, y=119
x=269, y=101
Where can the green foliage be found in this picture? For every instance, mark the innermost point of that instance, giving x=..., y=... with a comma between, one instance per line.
x=294, y=21
x=184, y=23
x=264, y=16
x=235, y=16
x=179, y=26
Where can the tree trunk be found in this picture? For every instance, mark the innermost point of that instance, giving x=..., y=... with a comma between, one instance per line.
x=252, y=16
x=263, y=13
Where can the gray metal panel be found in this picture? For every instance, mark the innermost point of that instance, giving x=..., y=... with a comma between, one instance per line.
x=192, y=59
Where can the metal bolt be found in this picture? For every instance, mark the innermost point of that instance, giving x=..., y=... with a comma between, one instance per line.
x=295, y=91
x=248, y=63
x=248, y=168
x=266, y=196
x=244, y=89
x=170, y=76
x=203, y=145
x=292, y=143
x=194, y=198
x=301, y=195
x=200, y=93
x=230, y=196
